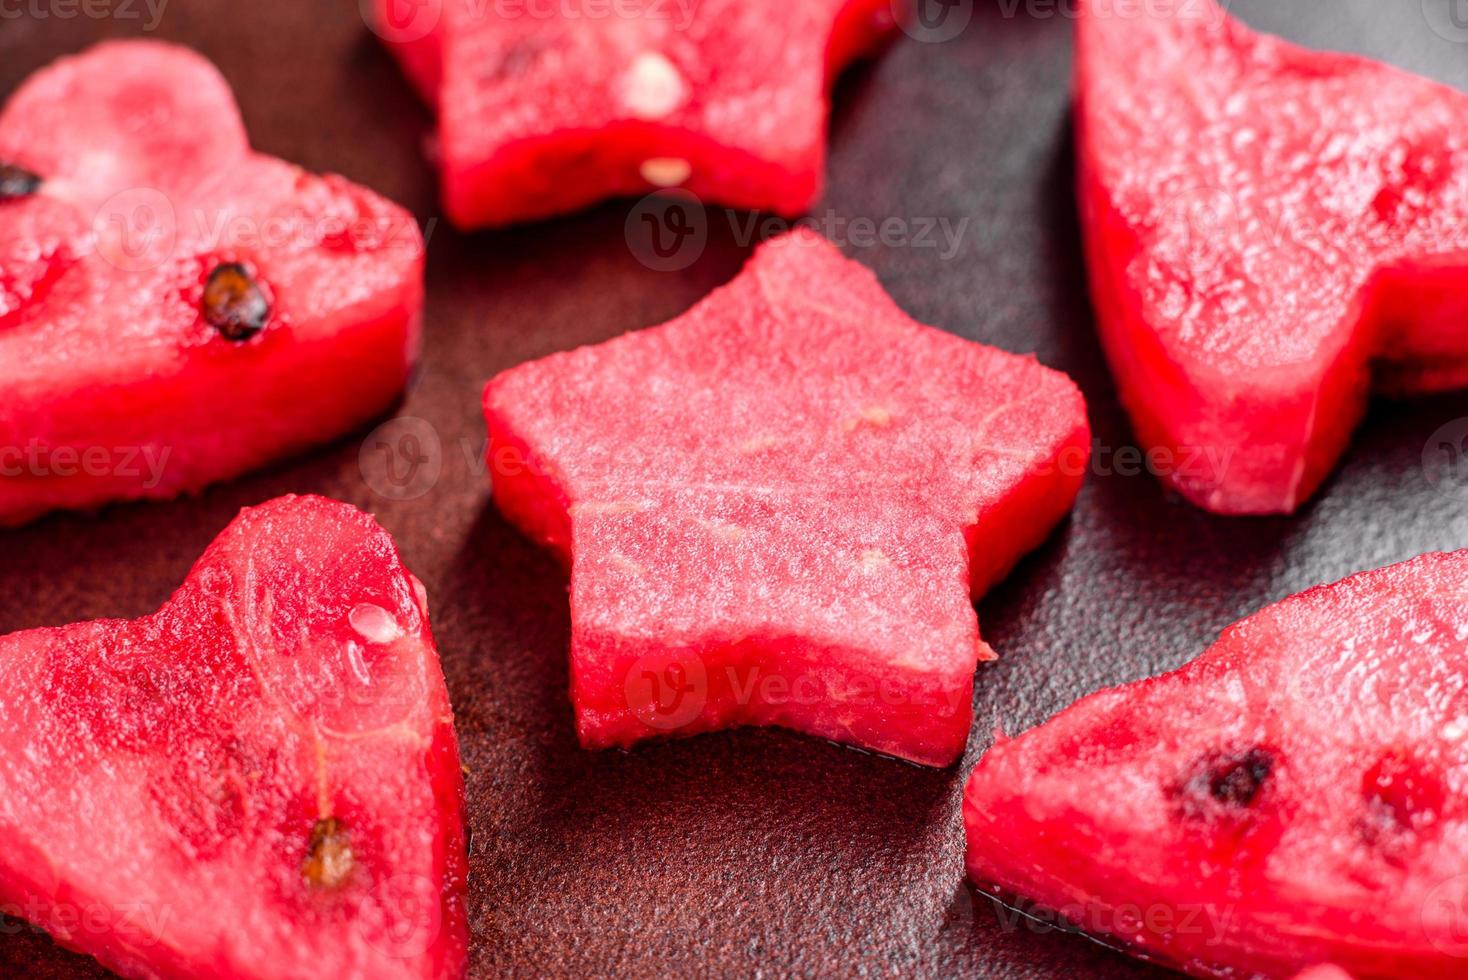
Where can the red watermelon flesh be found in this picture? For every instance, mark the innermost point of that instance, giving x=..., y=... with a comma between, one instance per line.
x=540, y=115
x=118, y=377
x=1272, y=234
x=259, y=780
x=1297, y=795
x=776, y=508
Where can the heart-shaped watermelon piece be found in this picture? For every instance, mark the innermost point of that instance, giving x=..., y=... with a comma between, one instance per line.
x=1297, y=795
x=259, y=780
x=777, y=508
x=174, y=308
x=544, y=109
x=1272, y=234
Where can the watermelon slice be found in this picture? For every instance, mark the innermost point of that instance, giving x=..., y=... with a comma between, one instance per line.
x=544, y=111
x=776, y=508
x=175, y=309
x=1298, y=795
x=259, y=780
x=1272, y=233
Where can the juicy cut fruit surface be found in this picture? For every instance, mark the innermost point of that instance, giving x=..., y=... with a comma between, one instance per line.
x=1323, y=973
x=175, y=309
x=775, y=508
x=259, y=780
x=1272, y=233
x=1298, y=795
x=540, y=115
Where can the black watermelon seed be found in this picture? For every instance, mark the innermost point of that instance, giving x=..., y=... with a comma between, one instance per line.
x=234, y=304
x=16, y=183
x=1230, y=780
x=1237, y=781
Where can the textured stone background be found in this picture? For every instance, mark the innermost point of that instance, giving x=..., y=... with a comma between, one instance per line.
x=756, y=850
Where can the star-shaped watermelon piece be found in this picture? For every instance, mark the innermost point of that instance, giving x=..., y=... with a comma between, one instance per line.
x=176, y=309
x=259, y=780
x=778, y=508
x=1297, y=795
x=1273, y=233
x=543, y=109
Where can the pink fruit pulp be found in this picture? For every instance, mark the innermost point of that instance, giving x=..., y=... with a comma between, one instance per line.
x=1272, y=234
x=161, y=779
x=114, y=386
x=1295, y=796
x=541, y=116
x=777, y=508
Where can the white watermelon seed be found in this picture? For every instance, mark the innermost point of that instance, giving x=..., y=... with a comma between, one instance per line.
x=666, y=171
x=653, y=87
x=374, y=623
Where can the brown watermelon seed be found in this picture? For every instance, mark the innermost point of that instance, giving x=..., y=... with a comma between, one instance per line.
x=329, y=860
x=1234, y=780
x=17, y=182
x=233, y=302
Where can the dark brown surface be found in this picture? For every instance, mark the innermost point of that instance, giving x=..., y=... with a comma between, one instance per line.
x=753, y=850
